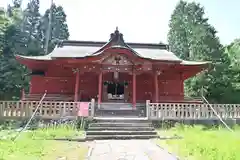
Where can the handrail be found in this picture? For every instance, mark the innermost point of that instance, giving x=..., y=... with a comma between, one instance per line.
x=214, y=111
x=30, y=117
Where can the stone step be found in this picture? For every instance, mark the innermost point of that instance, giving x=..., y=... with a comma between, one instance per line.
x=110, y=124
x=100, y=133
x=119, y=110
x=139, y=113
x=126, y=128
x=121, y=120
x=105, y=137
x=116, y=116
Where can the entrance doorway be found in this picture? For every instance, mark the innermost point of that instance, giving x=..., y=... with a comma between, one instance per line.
x=115, y=91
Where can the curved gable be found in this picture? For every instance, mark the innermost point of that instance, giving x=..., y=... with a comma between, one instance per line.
x=117, y=60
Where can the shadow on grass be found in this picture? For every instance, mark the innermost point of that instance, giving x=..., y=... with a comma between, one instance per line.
x=70, y=139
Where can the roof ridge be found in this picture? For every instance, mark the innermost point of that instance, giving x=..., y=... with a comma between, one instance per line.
x=101, y=43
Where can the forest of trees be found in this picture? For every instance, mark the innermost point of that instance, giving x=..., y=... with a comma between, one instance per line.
x=191, y=37
x=23, y=31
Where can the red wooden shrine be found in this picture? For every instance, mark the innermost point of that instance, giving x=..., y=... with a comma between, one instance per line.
x=112, y=71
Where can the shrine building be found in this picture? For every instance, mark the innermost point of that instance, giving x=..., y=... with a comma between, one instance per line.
x=114, y=71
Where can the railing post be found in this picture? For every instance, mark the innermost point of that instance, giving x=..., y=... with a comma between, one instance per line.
x=92, y=104
x=64, y=109
x=30, y=108
x=1, y=109
x=147, y=108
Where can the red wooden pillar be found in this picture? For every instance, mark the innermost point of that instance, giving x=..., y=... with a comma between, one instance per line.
x=22, y=94
x=156, y=87
x=100, y=88
x=134, y=90
x=76, y=86
x=182, y=86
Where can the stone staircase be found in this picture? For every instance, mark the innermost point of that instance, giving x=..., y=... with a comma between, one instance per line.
x=120, y=110
x=120, y=128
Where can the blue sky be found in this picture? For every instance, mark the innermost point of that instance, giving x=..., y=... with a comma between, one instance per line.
x=139, y=20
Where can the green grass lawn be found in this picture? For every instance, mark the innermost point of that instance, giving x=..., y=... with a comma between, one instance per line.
x=200, y=144
x=35, y=145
